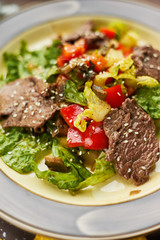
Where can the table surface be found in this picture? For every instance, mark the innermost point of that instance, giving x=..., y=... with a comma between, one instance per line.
x=8, y=231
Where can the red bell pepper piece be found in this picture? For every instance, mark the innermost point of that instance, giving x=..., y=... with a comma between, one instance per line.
x=75, y=138
x=126, y=50
x=110, y=33
x=61, y=60
x=115, y=96
x=95, y=137
x=99, y=62
x=70, y=113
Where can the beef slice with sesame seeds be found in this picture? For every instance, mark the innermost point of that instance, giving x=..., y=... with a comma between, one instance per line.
x=133, y=145
x=26, y=103
x=93, y=39
x=147, y=61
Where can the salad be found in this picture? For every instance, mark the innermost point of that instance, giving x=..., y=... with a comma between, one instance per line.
x=89, y=104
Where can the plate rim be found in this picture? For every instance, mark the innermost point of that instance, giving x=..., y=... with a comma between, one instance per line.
x=19, y=223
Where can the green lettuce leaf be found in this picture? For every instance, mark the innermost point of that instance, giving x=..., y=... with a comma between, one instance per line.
x=73, y=95
x=103, y=171
x=76, y=171
x=20, y=150
x=149, y=100
x=35, y=63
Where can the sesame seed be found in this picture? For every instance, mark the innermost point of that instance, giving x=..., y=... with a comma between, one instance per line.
x=61, y=94
x=33, y=90
x=43, y=116
x=15, y=104
x=15, y=115
x=34, y=122
x=40, y=110
x=12, y=96
x=9, y=153
x=145, y=139
x=53, y=97
x=135, y=144
x=26, y=110
x=76, y=135
x=158, y=153
x=24, y=116
x=158, y=68
x=130, y=130
x=93, y=128
x=23, y=103
x=125, y=141
x=42, y=92
x=52, y=106
x=32, y=113
x=80, y=153
x=38, y=104
x=118, y=158
x=129, y=170
x=155, y=55
x=30, y=107
x=151, y=66
x=108, y=117
x=14, y=92
x=136, y=133
x=143, y=167
x=146, y=59
x=21, y=97
x=118, y=94
x=126, y=124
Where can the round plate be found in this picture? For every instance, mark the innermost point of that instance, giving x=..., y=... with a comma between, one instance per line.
x=66, y=221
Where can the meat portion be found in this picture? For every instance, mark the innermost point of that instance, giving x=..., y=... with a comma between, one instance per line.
x=93, y=39
x=55, y=164
x=60, y=127
x=26, y=102
x=60, y=86
x=133, y=145
x=147, y=61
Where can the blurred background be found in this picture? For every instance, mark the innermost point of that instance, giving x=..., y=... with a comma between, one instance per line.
x=7, y=8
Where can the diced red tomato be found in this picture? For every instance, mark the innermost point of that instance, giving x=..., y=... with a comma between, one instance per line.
x=110, y=33
x=109, y=80
x=126, y=50
x=70, y=51
x=115, y=96
x=75, y=138
x=61, y=60
x=99, y=62
x=70, y=113
x=95, y=137
x=81, y=43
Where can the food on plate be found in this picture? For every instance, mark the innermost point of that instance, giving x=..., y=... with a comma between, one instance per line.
x=88, y=104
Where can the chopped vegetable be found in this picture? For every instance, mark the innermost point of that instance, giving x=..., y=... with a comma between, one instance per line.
x=115, y=96
x=70, y=113
x=95, y=137
x=110, y=33
x=93, y=103
x=75, y=138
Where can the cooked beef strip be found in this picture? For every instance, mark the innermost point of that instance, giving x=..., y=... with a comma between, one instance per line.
x=133, y=145
x=147, y=61
x=60, y=127
x=55, y=164
x=99, y=92
x=26, y=102
x=60, y=86
x=93, y=39
x=85, y=28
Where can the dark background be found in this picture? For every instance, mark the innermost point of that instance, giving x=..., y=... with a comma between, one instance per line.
x=8, y=231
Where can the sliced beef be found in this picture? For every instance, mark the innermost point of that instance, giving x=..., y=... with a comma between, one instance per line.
x=99, y=92
x=26, y=102
x=55, y=164
x=85, y=28
x=133, y=145
x=60, y=128
x=147, y=61
x=93, y=39
x=60, y=86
